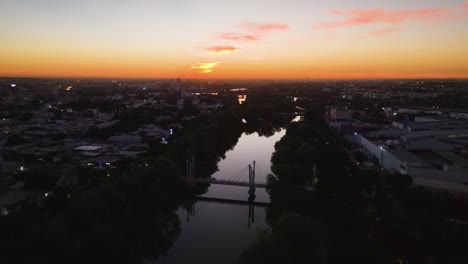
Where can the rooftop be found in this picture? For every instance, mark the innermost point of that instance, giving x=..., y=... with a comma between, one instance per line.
x=406, y=156
x=87, y=148
x=438, y=133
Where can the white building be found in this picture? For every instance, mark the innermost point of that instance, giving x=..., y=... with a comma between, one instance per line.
x=433, y=158
x=432, y=123
x=89, y=151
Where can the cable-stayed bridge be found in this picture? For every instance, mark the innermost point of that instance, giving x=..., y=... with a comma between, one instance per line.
x=246, y=177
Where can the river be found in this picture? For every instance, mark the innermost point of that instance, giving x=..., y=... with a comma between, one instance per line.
x=218, y=232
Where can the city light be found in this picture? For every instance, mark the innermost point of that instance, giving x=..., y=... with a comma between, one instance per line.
x=354, y=131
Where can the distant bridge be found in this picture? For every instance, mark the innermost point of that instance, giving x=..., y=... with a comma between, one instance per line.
x=231, y=201
x=251, y=203
x=239, y=179
x=226, y=182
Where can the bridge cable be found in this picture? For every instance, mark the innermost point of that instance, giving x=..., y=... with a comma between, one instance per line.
x=238, y=175
x=243, y=176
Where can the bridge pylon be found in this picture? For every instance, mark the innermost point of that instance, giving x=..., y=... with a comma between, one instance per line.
x=252, y=181
x=190, y=170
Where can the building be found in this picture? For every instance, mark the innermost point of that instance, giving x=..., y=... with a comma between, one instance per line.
x=456, y=113
x=340, y=118
x=431, y=123
x=88, y=151
x=340, y=113
x=434, y=155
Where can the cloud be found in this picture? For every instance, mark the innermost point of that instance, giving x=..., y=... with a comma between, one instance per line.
x=265, y=27
x=382, y=31
x=381, y=16
x=357, y=17
x=221, y=50
x=238, y=36
x=251, y=31
x=204, y=67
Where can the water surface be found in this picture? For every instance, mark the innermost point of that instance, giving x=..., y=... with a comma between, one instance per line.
x=249, y=148
x=219, y=232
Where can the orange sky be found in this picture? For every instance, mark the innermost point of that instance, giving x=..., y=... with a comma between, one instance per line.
x=258, y=39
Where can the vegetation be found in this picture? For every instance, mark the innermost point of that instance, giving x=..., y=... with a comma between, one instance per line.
x=350, y=215
x=123, y=215
x=292, y=240
x=343, y=215
x=116, y=219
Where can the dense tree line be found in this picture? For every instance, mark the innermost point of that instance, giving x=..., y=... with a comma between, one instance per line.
x=123, y=215
x=345, y=215
x=127, y=214
x=119, y=218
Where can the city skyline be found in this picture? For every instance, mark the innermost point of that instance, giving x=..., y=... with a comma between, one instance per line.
x=242, y=39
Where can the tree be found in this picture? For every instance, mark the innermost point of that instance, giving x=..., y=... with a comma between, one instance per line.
x=293, y=239
x=39, y=179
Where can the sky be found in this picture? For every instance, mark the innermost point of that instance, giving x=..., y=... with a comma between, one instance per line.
x=272, y=39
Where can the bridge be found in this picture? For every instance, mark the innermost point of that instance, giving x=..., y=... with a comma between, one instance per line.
x=191, y=210
x=236, y=180
x=229, y=201
x=239, y=179
x=229, y=182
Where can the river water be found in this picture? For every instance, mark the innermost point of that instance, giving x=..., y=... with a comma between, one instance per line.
x=218, y=232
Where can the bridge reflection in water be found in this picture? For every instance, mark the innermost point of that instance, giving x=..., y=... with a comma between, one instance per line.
x=191, y=207
x=238, y=180
x=220, y=228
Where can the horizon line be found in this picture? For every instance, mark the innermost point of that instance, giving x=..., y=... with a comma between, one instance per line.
x=236, y=78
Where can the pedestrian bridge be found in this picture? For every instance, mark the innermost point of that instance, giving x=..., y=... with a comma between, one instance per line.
x=226, y=182
x=244, y=178
x=232, y=201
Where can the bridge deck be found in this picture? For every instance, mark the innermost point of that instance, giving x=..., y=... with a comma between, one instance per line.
x=225, y=182
x=230, y=201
